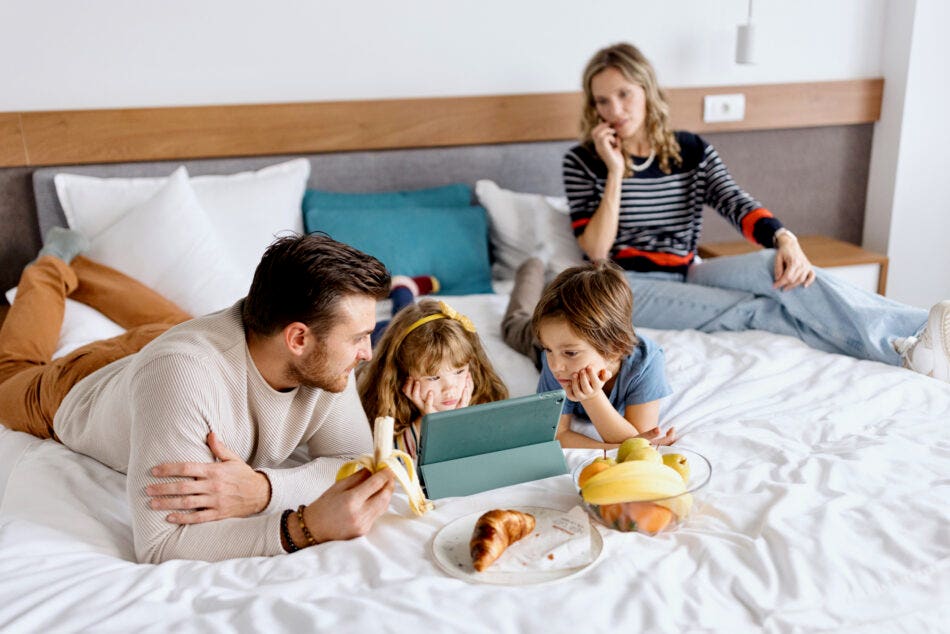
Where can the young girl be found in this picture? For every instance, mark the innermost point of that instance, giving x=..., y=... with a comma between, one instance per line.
x=614, y=380
x=430, y=359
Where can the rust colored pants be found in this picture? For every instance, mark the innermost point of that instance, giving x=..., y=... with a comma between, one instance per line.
x=32, y=384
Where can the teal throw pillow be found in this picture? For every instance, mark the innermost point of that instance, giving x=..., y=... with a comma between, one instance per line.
x=457, y=195
x=448, y=242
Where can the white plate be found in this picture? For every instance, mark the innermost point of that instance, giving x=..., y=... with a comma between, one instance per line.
x=450, y=548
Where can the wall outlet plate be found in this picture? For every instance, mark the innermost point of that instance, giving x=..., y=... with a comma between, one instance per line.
x=718, y=108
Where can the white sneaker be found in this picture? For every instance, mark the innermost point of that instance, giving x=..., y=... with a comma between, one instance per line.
x=930, y=353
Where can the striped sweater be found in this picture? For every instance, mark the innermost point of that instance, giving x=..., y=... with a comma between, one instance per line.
x=158, y=406
x=661, y=215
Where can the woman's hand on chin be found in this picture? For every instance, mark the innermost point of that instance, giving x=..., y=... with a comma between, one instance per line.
x=608, y=147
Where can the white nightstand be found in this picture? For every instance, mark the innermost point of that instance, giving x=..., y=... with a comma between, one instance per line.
x=864, y=269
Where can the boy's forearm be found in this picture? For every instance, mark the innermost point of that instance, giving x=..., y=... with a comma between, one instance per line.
x=574, y=440
x=643, y=416
x=611, y=426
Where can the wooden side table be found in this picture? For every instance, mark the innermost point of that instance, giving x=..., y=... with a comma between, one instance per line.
x=864, y=269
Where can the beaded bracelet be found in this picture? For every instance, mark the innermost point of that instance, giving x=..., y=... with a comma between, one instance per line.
x=285, y=531
x=303, y=526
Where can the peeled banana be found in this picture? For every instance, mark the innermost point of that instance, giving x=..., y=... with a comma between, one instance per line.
x=384, y=456
x=639, y=481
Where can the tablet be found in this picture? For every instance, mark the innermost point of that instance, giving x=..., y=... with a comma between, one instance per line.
x=487, y=446
x=478, y=429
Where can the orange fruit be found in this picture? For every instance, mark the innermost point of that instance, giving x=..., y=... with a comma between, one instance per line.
x=647, y=516
x=591, y=470
x=610, y=513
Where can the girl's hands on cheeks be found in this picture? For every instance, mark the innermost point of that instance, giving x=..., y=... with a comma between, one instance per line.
x=587, y=384
x=425, y=403
x=466, y=397
x=608, y=147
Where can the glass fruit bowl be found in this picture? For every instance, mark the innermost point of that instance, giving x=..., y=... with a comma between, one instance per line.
x=651, y=514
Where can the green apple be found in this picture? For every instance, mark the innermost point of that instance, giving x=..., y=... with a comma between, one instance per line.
x=678, y=463
x=637, y=449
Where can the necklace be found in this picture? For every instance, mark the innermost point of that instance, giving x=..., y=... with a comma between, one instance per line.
x=645, y=164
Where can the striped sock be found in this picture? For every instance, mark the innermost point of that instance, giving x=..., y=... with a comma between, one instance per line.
x=427, y=284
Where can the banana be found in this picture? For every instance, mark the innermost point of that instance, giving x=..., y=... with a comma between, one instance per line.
x=385, y=457
x=639, y=481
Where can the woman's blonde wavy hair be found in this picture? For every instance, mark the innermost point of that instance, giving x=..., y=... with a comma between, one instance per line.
x=628, y=59
x=420, y=352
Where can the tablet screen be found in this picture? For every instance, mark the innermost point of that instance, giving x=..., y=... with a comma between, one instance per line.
x=479, y=429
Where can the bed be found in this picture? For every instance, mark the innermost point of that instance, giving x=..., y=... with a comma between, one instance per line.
x=827, y=508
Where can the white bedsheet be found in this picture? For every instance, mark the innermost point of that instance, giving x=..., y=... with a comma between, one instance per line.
x=827, y=510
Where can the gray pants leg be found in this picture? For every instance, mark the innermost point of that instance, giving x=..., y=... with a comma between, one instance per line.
x=516, y=324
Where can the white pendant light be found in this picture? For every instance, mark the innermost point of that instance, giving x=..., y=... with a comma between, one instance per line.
x=745, y=40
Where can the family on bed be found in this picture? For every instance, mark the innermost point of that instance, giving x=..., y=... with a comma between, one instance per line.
x=199, y=413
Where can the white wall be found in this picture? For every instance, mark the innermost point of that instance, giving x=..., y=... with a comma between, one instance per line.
x=125, y=53
x=908, y=214
x=62, y=54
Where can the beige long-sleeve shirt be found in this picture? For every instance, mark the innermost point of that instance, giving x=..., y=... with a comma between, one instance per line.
x=158, y=406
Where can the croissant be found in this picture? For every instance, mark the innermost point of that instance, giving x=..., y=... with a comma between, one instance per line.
x=494, y=532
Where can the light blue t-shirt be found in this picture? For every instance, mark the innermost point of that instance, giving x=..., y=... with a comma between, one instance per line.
x=641, y=379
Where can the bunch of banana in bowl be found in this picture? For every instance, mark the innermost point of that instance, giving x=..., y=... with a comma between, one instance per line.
x=643, y=488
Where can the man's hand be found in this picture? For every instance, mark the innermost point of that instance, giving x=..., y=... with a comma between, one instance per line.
x=219, y=490
x=349, y=508
x=792, y=267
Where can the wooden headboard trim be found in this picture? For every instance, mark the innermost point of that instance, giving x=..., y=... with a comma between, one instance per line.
x=148, y=134
x=12, y=144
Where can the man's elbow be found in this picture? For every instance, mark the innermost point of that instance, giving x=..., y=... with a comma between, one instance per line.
x=160, y=549
x=156, y=550
x=150, y=554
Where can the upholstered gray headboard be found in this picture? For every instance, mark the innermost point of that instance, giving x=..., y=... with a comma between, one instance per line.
x=528, y=167
x=814, y=179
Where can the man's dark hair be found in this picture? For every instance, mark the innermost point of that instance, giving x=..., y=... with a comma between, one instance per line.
x=303, y=278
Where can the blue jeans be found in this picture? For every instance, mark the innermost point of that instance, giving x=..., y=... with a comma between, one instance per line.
x=735, y=293
x=401, y=297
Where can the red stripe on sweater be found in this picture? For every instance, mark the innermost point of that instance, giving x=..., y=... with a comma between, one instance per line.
x=749, y=220
x=663, y=259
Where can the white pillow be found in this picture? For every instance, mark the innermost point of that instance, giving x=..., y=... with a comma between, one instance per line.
x=247, y=209
x=81, y=325
x=526, y=225
x=169, y=244
x=563, y=250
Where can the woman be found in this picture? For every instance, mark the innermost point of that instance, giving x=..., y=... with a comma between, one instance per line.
x=636, y=191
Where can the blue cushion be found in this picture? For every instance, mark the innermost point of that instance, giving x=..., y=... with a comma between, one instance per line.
x=448, y=242
x=458, y=195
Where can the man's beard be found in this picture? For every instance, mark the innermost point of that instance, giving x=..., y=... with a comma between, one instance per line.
x=314, y=371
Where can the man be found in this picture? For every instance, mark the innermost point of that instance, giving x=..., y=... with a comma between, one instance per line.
x=248, y=384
